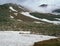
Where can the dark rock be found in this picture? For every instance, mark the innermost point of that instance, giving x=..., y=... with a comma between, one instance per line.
x=57, y=11
x=43, y=5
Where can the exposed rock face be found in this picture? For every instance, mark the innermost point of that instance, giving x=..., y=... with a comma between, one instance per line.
x=43, y=5
x=57, y=11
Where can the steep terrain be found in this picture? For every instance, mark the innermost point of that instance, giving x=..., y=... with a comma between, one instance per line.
x=15, y=17
x=23, y=23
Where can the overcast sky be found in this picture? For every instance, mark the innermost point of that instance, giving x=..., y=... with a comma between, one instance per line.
x=33, y=4
x=31, y=1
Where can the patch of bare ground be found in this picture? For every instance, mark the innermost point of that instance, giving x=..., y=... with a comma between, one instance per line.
x=51, y=42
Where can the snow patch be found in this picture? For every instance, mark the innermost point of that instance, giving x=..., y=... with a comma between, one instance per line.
x=57, y=18
x=54, y=22
x=21, y=7
x=52, y=4
x=28, y=14
x=11, y=17
x=11, y=8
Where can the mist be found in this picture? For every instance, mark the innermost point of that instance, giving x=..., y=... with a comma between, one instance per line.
x=33, y=5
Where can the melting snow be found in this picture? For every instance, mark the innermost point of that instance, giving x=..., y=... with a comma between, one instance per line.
x=27, y=14
x=54, y=22
x=19, y=20
x=11, y=8
x=13, y=38
x=57, y=18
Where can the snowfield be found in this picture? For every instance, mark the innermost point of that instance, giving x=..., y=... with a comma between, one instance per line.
x=28, y=14
x=13, y=38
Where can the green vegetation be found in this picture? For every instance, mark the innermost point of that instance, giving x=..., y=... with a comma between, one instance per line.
x=9, y=24
x=46, y=16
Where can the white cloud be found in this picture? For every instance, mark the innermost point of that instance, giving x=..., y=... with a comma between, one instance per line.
x=33, y=4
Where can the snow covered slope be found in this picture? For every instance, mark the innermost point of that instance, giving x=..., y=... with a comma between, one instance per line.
x=18, y=12
x=13, y=38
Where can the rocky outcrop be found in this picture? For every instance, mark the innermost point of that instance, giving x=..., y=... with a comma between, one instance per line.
x=43, y=5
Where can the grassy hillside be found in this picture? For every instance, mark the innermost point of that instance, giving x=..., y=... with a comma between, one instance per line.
x=27, y=24
x=46, y=16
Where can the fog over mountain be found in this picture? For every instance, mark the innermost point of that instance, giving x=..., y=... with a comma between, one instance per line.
x=34, y=5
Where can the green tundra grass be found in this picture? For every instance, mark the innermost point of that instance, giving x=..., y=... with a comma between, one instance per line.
x=9, y=24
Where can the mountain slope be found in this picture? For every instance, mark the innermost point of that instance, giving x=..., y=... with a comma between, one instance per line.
x=15, y=12
x=14, y=18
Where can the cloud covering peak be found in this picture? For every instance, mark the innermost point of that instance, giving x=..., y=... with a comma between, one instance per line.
x=34, y=4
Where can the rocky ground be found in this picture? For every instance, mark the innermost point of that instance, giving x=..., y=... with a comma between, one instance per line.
x=51, y=42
